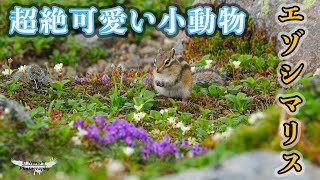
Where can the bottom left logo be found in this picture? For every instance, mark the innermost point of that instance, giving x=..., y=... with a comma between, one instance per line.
x=37, y=167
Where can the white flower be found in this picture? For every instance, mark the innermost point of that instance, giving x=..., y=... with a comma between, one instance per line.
x=128, y=151
x=114, y=167
x=138, y=116
x=218, y=136
x=6, y=111
x=193, y=69
x=71, y=124
x=76, y=140
x=190, y=154
x=141, y=115
x=155, y=132
x=211, y=132
x=236, y=64
x=317, y=73
x=192, y=140
x=254, y=117
x=58, y=67
x=7, y=72
x=138, y=108
x=163, y=111
x=81, y=132
x=179, y=125
x=171, y=120
x=208, y=63
x=22, y=69
x=185, y=129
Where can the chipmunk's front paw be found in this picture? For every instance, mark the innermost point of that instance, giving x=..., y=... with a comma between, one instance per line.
x=160, y=83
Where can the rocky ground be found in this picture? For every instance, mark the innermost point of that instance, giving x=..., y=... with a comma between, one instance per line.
x=129, y=55
x=246, y=166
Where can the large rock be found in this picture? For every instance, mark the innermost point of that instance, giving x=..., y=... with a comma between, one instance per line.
x=35, y=73
x=16, y=111
x=247, y=166
x=263, y=13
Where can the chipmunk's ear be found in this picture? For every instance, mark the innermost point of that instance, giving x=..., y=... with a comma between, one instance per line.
x=160, y=51
x=172, y=52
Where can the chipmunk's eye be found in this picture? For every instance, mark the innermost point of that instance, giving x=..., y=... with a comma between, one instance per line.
x=167, y=62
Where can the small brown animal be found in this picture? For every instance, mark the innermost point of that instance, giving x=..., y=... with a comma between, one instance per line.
x=172, y=77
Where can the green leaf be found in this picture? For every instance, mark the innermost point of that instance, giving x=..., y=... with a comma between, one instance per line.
x=155, y=115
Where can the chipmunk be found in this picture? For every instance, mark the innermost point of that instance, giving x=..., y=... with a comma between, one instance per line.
x=173, y=76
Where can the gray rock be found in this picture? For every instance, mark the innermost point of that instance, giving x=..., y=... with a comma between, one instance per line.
x=16, y=111
x=81, y=38
x=69, y=72
x=148, y=50
x=99, y=67
x=180, y=39
x=35, y=73
x=132, y=48
x=151, y=43
x=247, y=166
x=168, y=43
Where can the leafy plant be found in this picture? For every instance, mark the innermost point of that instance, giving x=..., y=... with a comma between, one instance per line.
x=11, y=86
x=216, y=91
x=57, y=87
x=238, y=102
x=250, y=82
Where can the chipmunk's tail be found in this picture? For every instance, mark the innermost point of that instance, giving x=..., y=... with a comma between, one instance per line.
x=201, y=75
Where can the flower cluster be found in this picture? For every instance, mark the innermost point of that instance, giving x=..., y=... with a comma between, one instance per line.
x=77, y=78
x=105, y=133
x=172, y=121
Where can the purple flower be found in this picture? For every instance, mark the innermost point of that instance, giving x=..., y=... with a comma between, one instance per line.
x=123, y=76
x=122, y=130
x=164, y=147
x=107, y=139
x=299, y=86
x=93, y=131
x=184, y=143
x=196, y=149
x=99, y=120
x=147, y=79
x=283, y=89
x=129, y=141
x=76, y=78
x=78, y=123
x=105, y=77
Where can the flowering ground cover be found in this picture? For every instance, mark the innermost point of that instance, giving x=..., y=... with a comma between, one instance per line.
x=113, y=125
